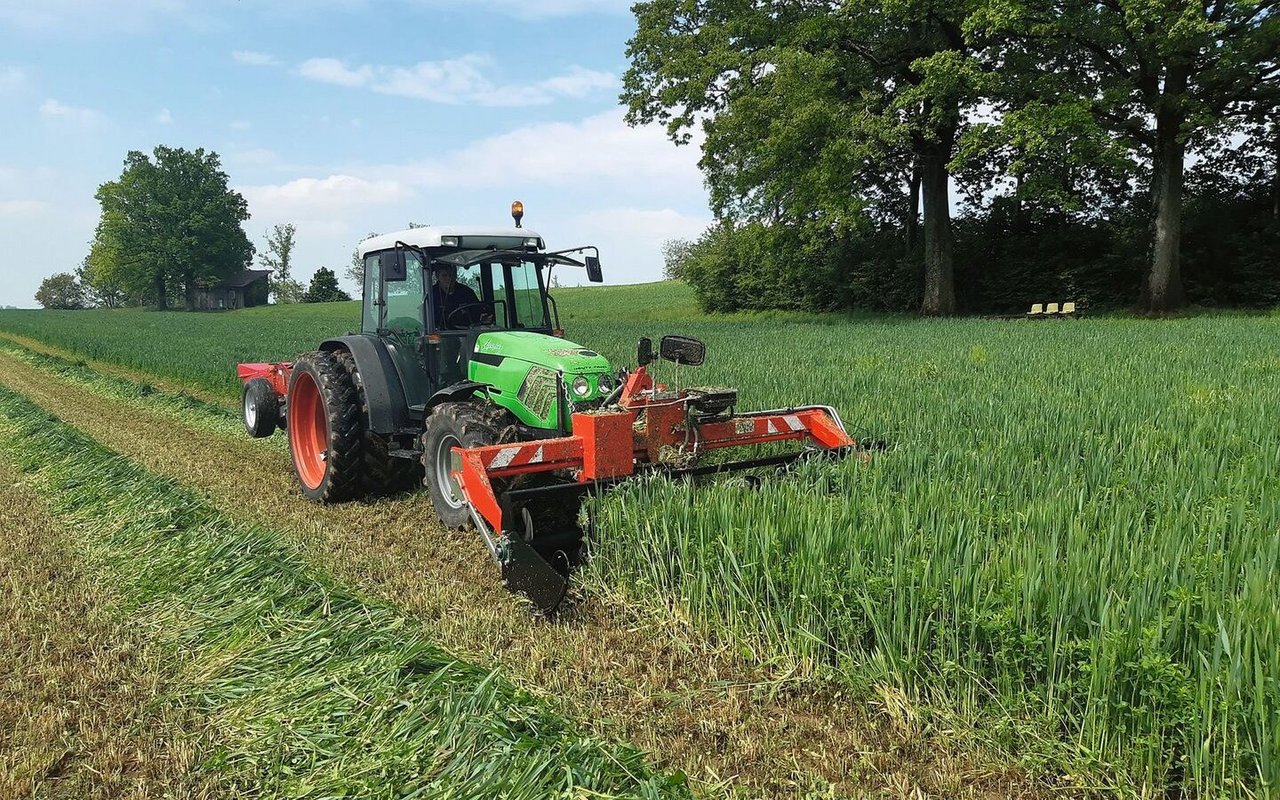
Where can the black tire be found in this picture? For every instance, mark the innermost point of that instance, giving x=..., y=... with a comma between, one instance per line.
x=260, y=408
x=383, y=474
x=326, y=433
x=465, y=424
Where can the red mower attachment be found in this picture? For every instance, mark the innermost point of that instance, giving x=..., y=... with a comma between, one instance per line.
x=649, y=429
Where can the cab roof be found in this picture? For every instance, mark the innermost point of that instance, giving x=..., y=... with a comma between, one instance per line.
x=430, y=236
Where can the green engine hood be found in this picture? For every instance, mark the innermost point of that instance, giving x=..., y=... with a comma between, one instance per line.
x=520, y=370
x=545, y=351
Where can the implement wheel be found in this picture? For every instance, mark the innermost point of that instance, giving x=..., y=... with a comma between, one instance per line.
x=450, y=425
x=326, y=429
x=261, y=408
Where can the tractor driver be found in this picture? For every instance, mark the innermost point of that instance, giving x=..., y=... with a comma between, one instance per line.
x=448, y=296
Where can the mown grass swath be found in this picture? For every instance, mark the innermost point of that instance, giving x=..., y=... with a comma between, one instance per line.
x=314, y=691
x=1070, y=541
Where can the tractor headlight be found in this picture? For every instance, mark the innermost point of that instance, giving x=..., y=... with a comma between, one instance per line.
x=580, y=386
x=605, y=382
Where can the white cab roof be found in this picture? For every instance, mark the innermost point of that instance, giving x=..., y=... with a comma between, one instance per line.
x=430, y=237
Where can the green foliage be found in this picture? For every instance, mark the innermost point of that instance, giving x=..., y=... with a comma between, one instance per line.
x=675, y=255
x=815, y=115
x=1153, y=78
x=169, y=224
x=279, y=259
x=324, y=288
x=1009, y=254
x=61, y=291
x=355, y=270
x=756, y=266
x=837, y=119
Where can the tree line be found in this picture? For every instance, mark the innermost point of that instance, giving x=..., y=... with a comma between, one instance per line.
x=1120, y=152
x=170, y=227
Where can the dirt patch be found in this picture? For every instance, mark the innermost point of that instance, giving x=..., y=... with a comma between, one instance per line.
x=624, y=673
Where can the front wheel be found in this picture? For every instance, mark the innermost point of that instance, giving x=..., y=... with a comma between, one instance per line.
x=326, y=429
x=466, y=425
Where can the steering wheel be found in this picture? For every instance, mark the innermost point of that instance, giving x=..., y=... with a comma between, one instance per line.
x=449, y=318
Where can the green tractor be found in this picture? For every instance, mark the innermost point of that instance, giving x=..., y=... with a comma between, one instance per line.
x=460, y=378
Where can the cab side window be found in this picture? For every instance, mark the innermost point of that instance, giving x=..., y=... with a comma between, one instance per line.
x=369, y=322
x=404, y=299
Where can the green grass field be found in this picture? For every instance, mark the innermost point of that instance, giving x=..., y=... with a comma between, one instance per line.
x=1067, y=550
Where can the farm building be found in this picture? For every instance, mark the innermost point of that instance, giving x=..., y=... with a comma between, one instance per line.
x=244, y=289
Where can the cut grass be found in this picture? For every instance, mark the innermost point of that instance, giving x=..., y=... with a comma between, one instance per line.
x=631, y=672
x=314, y=691
x=81, y=711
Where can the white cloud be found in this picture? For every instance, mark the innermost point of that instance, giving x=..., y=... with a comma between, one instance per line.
x=21, y=208
x=253, y=59
x=54, y=109
x=320, y=198
x=253, y=157
x=331, y=70
x=241, y=125
x=599, y=149
x=12, y=79
x=164, y=117
x=465, y=79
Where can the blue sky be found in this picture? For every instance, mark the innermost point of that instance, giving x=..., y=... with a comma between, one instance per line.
x=340, y=116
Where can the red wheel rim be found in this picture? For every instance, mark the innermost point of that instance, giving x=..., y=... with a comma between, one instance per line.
x=308, y=430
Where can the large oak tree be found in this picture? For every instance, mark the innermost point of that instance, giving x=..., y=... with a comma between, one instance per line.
x=1161, y=76
x=811, y=110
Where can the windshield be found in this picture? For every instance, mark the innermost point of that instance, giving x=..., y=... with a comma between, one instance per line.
x=501, y=293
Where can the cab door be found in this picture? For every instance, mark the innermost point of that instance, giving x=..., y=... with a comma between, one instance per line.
x=401, y=324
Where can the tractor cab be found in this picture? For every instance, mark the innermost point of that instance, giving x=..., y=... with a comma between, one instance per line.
x=430, y=293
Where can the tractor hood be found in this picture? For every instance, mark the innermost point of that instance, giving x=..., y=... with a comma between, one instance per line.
x=538, y=348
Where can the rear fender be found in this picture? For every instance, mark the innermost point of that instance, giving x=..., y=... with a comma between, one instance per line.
x=388, y=410
x=455, y=393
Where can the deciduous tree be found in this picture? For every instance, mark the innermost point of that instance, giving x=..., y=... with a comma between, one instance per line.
x=324, y=288
x=61, y=291
x=170, y=223
x=1161, y=77
x=814, y=112
x=279, y=259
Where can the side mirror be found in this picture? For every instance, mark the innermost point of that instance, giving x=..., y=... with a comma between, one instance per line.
x=683, y=350
x=644, y=352
x=393, y=268
x=593, y=270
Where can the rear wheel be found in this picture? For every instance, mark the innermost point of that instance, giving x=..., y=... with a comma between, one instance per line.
x=381, y=472
x=326, y=429
x=450, y=425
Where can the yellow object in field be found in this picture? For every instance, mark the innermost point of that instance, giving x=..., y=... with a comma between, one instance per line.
x=1052, y=309
x=1036, y=309
x=1068, y=308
